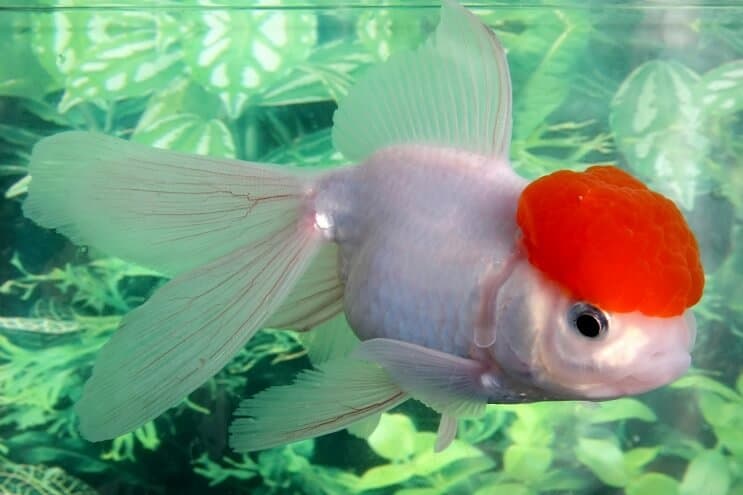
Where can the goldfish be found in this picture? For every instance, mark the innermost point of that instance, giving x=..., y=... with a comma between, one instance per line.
x=463, y=284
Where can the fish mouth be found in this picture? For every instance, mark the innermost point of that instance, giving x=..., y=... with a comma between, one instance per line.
x=657, y=371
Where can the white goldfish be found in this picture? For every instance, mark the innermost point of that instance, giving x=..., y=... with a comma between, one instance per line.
x=465, y=284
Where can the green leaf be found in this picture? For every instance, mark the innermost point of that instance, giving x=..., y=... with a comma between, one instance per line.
x=234, y=53
x=20, y=72
x=620, y=409
x=543, y=58
x=19, y=135
x=726, y=419
x=702, y=382
x=476, y=430
x=41, y=448
x=562, y=480
x=188, y=133
x=181, y=96
x=604, y=458
x=103, y=56
x=707, y=473
x=427, y=461
x=39, y=480
x=655, y=484
x=527, y=463
x=50, y=113
x=418, y=491
x=327, y=74
x=719, y=412
x=18, y=188
x=424, y=442
x=394, y=438
x=505, y=488
x=533, y=425
x=721, y=89
x=381, y=476
x=636, y=459
x=656, y=120
x=311, y=150
x=464, y=471
x=384, y=32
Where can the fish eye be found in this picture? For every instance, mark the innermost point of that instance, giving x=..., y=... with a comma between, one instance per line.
x=588, y=320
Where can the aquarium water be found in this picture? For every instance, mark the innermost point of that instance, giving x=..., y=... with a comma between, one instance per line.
x=655, y=87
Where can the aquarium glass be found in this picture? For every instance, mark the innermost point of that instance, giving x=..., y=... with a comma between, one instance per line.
x=653, y=87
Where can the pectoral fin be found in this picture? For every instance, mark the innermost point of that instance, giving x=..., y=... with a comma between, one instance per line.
x=448, y=384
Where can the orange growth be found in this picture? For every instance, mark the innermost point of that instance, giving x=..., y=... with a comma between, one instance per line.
x=609, y=240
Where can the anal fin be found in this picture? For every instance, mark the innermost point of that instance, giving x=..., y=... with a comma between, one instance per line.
x=330, y=398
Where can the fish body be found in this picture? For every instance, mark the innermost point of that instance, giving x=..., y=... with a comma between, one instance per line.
x=413, y=244
x=429, y=270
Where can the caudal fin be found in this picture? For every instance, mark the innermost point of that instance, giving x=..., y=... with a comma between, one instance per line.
x=234, y=235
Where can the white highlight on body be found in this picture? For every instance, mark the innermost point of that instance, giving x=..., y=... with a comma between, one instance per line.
x=323, y=221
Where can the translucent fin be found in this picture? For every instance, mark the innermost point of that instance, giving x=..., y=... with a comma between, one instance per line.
x=187, y=331
x=365, y=427
x=162, y=209
x=338, y=393
x=330, y=340
x=455, y=91
x=447, y=432
x=317, y=296
x=334, y=339
x=447, y=383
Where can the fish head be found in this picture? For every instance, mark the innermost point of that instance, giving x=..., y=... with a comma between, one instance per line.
x=571, y=349
x=599, y=304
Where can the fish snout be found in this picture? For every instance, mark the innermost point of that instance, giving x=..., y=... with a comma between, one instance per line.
x=663, y=367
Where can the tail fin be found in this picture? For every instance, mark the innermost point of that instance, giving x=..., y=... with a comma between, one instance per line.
x=235, y=235
x=165, y=210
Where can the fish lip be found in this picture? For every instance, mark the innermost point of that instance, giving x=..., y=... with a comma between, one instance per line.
x=658, y=372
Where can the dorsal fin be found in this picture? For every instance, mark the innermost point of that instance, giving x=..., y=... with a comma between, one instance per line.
x=454, y=90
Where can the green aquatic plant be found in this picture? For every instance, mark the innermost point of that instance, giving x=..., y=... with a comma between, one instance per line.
x=95, y=285
x=583, y=94
x=282, y=470
x=412, y=465
x=722, y=459
x=661, y=117
x=20, y=479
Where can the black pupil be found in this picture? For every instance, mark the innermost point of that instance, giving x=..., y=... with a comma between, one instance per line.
x=588, y=325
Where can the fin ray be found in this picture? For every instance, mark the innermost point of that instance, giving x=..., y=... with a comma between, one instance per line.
x=448, y=384
x=162, y=209
x=335, y=395
x=186, y=332
x=455, y=90
x=446, y=433
x=316, y=297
